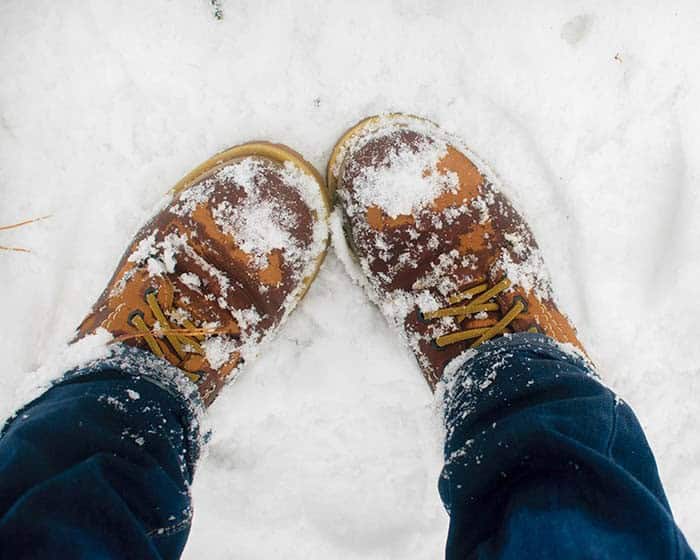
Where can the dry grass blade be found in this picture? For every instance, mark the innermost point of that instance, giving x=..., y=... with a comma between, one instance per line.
x=159, y=333
x=20, y=224
x=24, y=223
x=18, y=249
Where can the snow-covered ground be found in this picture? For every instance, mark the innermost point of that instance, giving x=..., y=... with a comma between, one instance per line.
x=329, y=445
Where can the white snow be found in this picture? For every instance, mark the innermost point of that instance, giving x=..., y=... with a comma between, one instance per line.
x=243, y=221
x=329, y=445
x=407, y=182
x=530, y=274
x=191, y=280
x=218, y=350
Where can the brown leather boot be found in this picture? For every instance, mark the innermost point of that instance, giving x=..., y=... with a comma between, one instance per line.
x=221, y=265
x=446, y=257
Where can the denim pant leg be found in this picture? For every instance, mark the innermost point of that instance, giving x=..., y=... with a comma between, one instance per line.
x=543, y=461
x=99, y=466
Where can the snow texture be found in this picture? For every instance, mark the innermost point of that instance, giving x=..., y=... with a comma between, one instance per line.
x=329, y=445
x=408, y=181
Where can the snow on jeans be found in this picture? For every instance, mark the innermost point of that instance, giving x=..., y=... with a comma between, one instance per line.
x=541, y=461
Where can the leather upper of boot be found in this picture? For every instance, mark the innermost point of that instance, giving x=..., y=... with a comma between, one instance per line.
x=217, y=268
x=446, y=256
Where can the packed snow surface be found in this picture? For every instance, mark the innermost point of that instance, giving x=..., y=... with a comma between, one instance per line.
x=329, y=445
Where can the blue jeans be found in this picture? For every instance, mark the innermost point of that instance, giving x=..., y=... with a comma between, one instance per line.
x=541, y=461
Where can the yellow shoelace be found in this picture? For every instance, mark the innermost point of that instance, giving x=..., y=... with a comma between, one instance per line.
x=184, y=341
x=178, y=338
x=480, y=300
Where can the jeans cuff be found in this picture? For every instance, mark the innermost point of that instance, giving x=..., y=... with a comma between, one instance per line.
x=138, y=364
x=459, y=374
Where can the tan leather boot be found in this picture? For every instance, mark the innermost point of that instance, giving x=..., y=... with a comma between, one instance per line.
x=445, y=256
x=221, y=265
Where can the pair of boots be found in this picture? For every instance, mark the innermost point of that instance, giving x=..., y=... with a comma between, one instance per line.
x=239, y=240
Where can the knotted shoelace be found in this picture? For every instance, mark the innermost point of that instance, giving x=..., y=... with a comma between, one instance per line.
x=183, y=341
x=481, y=299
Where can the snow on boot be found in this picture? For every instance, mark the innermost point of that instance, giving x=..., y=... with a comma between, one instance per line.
x=443, y=253
x=221, y=265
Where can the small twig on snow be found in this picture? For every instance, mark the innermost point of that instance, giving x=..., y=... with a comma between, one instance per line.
x=20, y=224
